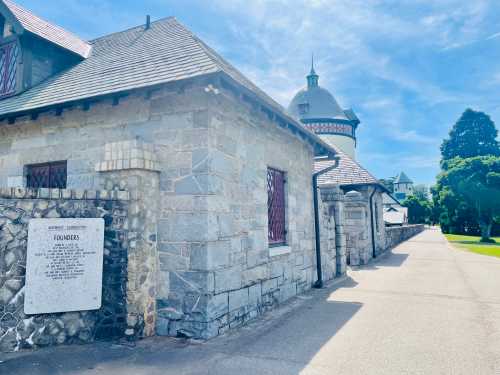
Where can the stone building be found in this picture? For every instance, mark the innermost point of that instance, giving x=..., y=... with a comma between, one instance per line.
x=204, y=183
x=316, y=108
x=220, y=211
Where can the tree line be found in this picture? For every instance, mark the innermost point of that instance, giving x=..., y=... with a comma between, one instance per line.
x=466, y=197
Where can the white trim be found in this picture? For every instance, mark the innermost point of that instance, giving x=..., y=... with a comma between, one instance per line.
x=279, y=250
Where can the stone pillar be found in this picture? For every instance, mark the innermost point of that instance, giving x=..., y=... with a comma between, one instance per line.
x=132, y=166
x=357, y=229
x=333, y=199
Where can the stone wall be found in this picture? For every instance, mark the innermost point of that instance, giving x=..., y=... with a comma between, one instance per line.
x=17, y=207
x=353, y=224
x=396, y=235
x=217, y=268
x=204, y=153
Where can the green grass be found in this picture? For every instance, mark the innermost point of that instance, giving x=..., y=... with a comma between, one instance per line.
x=471, y=243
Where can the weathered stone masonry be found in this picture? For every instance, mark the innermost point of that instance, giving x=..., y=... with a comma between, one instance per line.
x=195, y=162
x=17, y=207
x=214, y=252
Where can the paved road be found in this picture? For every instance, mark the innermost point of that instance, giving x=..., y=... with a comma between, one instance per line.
x=424, y=309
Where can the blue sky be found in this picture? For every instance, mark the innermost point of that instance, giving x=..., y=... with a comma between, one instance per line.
x=409, y=68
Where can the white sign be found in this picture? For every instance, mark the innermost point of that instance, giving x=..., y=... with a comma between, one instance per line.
x=64, y=265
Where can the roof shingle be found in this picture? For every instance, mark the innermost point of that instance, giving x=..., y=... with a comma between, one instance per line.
x=131, y=59
x=348, y=172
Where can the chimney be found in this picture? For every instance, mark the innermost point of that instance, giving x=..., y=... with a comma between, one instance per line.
x=148, y=22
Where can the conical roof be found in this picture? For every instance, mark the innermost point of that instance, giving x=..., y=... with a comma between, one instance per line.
x=402, y=178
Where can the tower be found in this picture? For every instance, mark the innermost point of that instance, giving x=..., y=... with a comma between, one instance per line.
x=316, y=108
x=403, y=187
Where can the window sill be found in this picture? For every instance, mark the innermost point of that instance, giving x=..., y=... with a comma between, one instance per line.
x=279, y=250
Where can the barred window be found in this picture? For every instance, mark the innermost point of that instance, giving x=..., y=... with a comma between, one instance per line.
x=47, y=175
x=276, y=207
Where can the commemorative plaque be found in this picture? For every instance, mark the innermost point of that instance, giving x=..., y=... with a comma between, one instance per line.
x=64, y=265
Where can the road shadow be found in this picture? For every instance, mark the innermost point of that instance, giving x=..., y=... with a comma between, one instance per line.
x=387, y=259
x=283, y=341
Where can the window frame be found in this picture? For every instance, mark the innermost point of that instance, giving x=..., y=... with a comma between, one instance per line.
x=51, y=178
x=280, y=204
x=9, y=66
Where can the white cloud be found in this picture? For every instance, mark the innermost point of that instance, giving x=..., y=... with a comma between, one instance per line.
x=348, y=37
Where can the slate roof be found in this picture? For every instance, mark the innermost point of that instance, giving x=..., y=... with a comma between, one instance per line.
x=131, y=59
x=402, y=178
x=348, y=172
x=48, y=31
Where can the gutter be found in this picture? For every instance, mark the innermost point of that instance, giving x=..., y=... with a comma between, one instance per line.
x=319, y=282
x=374, y=252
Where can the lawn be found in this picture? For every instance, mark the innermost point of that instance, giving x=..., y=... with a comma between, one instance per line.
x=471, y=243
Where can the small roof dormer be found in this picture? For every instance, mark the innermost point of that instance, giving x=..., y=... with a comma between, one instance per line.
x=32, y=49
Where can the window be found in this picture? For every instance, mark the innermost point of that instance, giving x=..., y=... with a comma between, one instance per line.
x=8, y=68
x=276, y=207
x=47, y=175
x=303, y=108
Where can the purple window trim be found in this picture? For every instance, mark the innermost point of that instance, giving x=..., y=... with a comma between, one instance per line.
x=276, y=207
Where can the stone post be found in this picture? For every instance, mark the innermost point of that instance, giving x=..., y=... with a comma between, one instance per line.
x=132, y=166
x=333, y=198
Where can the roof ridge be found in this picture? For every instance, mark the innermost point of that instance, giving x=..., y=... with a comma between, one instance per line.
x=223, y=65
x=95, y=40
x=14, y=7
x=43, y=19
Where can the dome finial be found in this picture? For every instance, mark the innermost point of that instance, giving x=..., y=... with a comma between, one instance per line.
x=312, y=78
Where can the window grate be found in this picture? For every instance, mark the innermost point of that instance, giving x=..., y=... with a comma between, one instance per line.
x=276, y=207
x=48, y=175
x=8, y=68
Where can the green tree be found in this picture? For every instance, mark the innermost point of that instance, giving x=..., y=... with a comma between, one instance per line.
x=476, y=182
x=419, y=210
x=474, y=134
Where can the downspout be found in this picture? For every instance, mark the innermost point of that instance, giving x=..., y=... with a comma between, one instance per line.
x=374, y=252
x=319, y=283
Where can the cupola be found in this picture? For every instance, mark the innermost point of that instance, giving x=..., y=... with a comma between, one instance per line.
x=316, y=108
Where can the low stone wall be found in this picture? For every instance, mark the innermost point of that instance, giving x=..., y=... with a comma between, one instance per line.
x=396, y=235
x=17, y=207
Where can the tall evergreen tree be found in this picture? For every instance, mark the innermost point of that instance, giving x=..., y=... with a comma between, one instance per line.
x=474, y=134
x=477, y=182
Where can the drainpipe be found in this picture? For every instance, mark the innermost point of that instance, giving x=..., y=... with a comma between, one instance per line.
x=374, y=252
x=319, y=283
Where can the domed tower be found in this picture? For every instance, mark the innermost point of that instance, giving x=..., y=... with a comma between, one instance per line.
x=318, y=110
